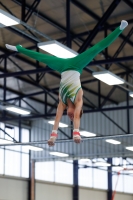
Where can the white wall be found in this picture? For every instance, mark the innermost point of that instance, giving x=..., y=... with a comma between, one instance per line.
x=12, y=188
x=122, y=196
x=85, y=194
x=53, y=191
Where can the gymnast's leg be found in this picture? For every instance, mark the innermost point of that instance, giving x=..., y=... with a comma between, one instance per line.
x=84, y=58
x=53, y=62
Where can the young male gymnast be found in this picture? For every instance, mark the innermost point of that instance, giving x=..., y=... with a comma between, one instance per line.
x=70, y=91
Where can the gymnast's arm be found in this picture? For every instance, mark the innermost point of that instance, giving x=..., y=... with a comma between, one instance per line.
x=60, y=109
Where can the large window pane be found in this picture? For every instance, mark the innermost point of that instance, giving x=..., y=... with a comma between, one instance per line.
x=2, y=126
x=25, y=165
x=85, y=174
x=119, y=187
x=128, y=183
x=25, y=138
x=44, y=171
x=100, y=178
x=63, y=172
x=1, y=161
x=12, y=163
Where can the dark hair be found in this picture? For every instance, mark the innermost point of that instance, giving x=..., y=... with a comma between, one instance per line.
x=81, y=112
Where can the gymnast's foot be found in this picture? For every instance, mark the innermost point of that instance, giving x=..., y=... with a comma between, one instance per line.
x=123, y=25
x=13, y=48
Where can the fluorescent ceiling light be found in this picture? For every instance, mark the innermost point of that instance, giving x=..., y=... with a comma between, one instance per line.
x=57, y=49
x=130, y=148
x=87, y=134
x=102, y=164
x=113, y=141
x=59, y=154
x=84, y=160
x=8, y=19
x=60, y=124
x=3, y=141
x=131, y=94
x=33, y=148
x=117, y=168
x=17, y=110
x=108, y=77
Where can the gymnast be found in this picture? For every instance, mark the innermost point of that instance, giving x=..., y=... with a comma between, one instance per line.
x=70, y=91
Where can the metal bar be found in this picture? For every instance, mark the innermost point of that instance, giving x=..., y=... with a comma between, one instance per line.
x=31, y=10
x=95, y=93
x=106, y=50
x=23, y=34
x=19, y=123
x=110, y=119
x=129, y=3
x=21, y=73
x=99, y=94
x=128, y=111
x=113, y=60
x=109, y=192
x=53, y=114
x=68, y=34
x=96, y=17
x=30, y=106
x=75, y=180
x=108, y=96
x=23, y=10
x=43, y=17
x=121, y=46
x=8, y=135
x=45, y=106
x=99, y=24
x=110, y=26
x=70, y=140
x=21, y=94
x=36, y=85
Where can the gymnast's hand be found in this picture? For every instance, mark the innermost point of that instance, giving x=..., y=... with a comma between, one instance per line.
x=52, y=139
x=13, y=48
x=76, y=137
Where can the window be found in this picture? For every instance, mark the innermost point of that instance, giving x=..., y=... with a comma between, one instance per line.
x=44, y=171
x=85, y=174
x=100, y=178
x=63, y=172
x=1, y=161
x=14, y=160
x=12, y=163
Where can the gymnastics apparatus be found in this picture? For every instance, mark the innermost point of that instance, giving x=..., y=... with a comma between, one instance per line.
x=70, y=91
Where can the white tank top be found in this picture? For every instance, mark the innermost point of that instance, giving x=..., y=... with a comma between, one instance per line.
x=69, y=85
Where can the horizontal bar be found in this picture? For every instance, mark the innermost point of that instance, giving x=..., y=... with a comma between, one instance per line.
x=112, y=60
x=34, y=71
x=69, y=140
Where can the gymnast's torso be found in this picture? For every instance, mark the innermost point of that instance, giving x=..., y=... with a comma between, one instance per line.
x=69, y=85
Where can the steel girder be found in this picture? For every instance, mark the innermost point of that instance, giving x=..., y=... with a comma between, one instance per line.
x=2, y=119
x=96, y=17
x=100, y=23
x=31, y=10
x=113, y=60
